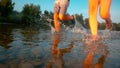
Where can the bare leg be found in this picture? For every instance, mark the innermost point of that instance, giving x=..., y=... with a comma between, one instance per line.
x=93, y=9
x=65, y=17
x=56, y=22
x=105, y=12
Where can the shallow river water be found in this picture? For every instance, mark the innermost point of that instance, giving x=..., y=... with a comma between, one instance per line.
x=38, y=48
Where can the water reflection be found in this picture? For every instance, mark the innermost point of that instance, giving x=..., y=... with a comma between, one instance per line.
x=5, y=37
x=93, y=49
x=35, y=48
x=23, y=50
x=31, y=37
x=58, y=53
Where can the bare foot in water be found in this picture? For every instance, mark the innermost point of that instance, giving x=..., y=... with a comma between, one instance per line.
x=109, y=24
x=94, y=38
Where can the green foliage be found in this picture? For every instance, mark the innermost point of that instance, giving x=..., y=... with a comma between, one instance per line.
x=101, y=26
x=6, y=7
x=79, y=18
x=86, y=23
x=46, y=12
x=44, y=21
x=31, y=13
x=15, y=17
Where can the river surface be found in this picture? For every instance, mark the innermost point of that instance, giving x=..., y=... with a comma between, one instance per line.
x=29, y=47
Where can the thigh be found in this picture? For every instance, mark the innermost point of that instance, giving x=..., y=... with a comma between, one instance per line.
x=93, y=7
x=63, y=6
x=105, y=6
x=56, y=8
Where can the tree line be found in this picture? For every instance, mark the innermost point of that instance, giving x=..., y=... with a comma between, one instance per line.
x=31, y=15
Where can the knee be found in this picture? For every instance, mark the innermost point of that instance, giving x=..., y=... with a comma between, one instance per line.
x=104, y=15
x=61, y=17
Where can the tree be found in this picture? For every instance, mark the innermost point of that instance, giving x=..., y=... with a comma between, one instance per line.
x=31, y=13
x=87, y=23
x=101, y=25
x=46, y=13
x=80, y=19
x=6, y=7
x=14, y=17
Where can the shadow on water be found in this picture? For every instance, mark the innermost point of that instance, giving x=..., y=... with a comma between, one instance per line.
x=36, y=48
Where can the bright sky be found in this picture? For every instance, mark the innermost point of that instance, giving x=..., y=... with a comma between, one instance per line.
x=76, y=6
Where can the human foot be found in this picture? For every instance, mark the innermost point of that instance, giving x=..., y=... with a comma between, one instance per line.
x=109, y=24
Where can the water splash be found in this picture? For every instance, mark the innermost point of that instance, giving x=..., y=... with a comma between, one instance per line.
x=78, y=28
x=52, y=28
x=107, y=34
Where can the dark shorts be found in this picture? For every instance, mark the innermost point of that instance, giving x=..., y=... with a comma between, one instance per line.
x=61, y=6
